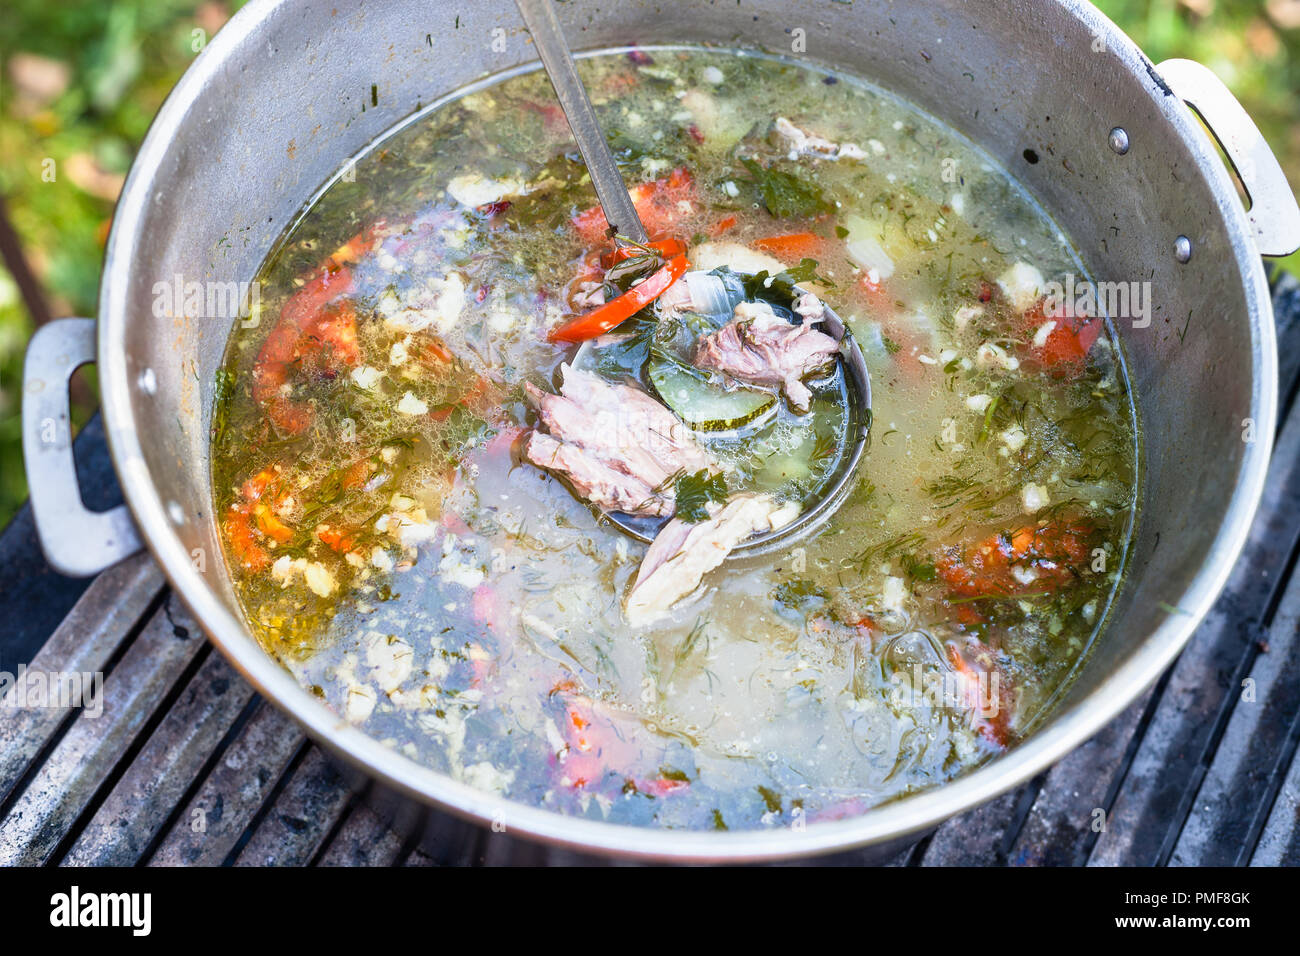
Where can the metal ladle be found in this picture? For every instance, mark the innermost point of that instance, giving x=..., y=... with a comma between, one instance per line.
x=621, y=214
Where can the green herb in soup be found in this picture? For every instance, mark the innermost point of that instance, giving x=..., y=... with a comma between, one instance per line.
x=461, y=394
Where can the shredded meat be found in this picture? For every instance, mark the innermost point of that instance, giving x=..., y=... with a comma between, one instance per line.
x=682, y=553
x=810, y=308
x=761, y=348
x=804, y=143
x=617, y=446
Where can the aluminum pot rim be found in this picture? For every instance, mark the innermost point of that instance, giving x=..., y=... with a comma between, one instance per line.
x=900, y=818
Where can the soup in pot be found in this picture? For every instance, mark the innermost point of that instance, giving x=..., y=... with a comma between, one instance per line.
x=489, y=478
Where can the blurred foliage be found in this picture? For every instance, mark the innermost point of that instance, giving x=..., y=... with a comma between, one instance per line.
x=1254, y=47
x=80, y=81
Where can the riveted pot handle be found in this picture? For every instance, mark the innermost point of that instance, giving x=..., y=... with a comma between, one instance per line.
x=77, y=541
x=1273, y=214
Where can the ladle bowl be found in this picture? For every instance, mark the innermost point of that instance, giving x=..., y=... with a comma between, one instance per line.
x=855, y=438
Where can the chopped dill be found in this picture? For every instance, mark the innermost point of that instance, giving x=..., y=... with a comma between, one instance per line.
x=884, y=550
x=695, y=493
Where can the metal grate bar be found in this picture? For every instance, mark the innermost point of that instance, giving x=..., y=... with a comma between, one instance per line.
x=1279, y=843
x=1197, y=702
x=102, y=620
x=302, y=817
x=363, y=840
x=156, y=781
x=449, y=841
x=1234, y=798
x=1061, y=823
x=87, y=755
x=227, y=801
x=980, y=837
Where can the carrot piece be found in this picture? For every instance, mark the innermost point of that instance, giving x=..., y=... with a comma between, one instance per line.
x=792, y=246
x=722, y=225
x=358, y=245
x=243, y=542
x=660, y=786
x=430, y=351
x=356, y=474
x=1054, y=551
x=336, y=539
x=336, y=329
x=254, y=487
x=1065, y=348
x=995, y=728
x=272, y=526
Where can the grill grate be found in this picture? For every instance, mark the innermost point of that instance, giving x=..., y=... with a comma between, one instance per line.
x=187, y=765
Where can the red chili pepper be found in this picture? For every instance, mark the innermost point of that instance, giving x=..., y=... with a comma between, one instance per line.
x=601, y=320
x=666, y=248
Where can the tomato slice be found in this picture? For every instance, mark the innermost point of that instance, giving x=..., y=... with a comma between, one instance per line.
x=656, y=203
x=601, y=320
x=1065, y=348
x=1055, y=552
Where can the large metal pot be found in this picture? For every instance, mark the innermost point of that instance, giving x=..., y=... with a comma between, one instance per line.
x=288, y=90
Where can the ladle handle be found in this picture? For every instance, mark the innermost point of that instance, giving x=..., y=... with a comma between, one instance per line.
x=542, y=23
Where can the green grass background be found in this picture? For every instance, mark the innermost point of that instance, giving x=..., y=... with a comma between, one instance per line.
x=117, y=59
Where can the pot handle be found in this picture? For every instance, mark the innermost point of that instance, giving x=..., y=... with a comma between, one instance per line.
x=77, y=542
x=1273, y=213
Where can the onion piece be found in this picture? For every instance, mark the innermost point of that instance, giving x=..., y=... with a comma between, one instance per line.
x=709, y=294
x=869, y=254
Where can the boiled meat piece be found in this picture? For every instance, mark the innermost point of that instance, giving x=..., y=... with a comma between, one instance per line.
x=803, y=143
x=616, y=444
x=759, y=347
x=682, y=553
